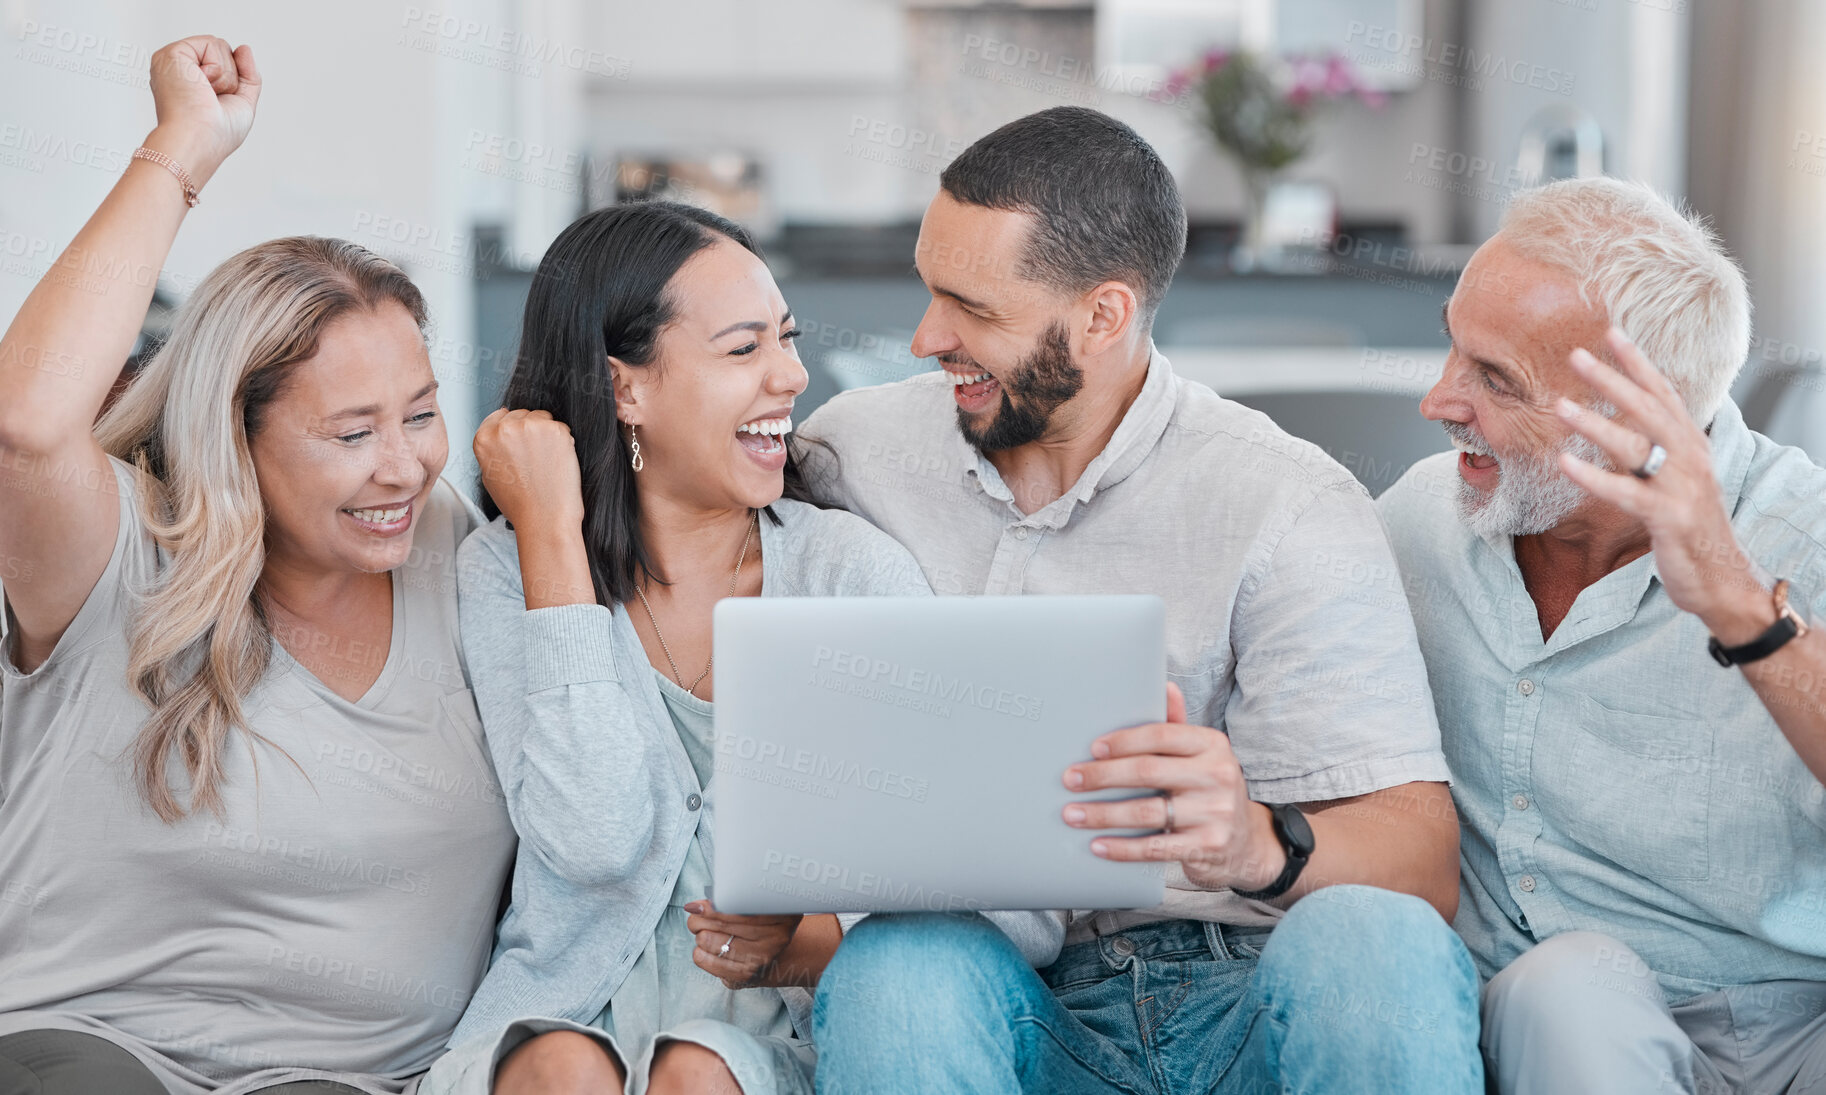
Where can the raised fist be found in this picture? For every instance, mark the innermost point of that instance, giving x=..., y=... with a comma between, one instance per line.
x=205, y=94
x=529, y=466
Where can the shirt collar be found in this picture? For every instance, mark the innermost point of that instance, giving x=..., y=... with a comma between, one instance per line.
x=1134, y=440
x=1733, y=450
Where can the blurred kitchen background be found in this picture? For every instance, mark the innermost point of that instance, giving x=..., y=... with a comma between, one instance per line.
x=459, y=136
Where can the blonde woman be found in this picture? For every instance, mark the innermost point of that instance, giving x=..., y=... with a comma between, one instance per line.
x=250, y=839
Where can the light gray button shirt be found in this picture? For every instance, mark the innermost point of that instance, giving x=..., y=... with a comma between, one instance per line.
x=1614, y=778
x=1285, y=625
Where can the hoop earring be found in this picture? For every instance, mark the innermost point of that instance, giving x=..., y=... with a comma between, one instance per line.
x=638, y=462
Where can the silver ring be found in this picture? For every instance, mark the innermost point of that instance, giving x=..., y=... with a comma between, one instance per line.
x=724, y=949
x=1651, y=465
x=1167, y=798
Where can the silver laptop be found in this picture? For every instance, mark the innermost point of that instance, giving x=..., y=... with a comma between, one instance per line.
x=880, y=754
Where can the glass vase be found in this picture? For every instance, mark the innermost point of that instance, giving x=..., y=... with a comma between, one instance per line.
x=1250, y=252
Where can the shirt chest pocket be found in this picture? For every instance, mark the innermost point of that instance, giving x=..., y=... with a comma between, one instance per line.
x=1634, y=788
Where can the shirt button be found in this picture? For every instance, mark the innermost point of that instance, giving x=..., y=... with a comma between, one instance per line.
x=1520, y=801
x=1525, y=687
x=1525, y=883
x=692, y=802
x=1123, y=946
x=1020, y=533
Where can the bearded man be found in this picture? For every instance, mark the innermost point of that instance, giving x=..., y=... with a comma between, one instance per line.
x=1301, y=798
x=1607, y=595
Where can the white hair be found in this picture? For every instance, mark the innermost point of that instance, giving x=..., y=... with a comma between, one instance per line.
x=1656, y=270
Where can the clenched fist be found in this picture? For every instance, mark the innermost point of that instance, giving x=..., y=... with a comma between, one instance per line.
x=529, y=466
x=204, y=94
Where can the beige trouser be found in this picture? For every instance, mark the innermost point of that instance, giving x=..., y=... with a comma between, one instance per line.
x=1581, y=1013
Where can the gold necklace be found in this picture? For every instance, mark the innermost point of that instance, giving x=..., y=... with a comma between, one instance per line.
x=753, y=523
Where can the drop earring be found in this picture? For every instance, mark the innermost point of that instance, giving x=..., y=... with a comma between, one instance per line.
x=638, y=462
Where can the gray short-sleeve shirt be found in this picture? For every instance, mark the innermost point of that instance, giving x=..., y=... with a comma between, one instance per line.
x=338, y=913
x=1286, y=624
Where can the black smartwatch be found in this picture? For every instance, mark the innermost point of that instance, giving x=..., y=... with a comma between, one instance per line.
x=1788, y=625
x=1295, y=835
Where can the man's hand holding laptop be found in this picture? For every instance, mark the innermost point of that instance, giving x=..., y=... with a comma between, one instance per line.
x=1223, y=839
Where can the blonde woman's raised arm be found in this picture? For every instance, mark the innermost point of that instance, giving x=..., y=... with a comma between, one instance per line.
x=65, y=348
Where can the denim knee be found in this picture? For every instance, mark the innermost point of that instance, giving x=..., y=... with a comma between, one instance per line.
x=1367, y=979
x=927, y=961
x=1377, y=927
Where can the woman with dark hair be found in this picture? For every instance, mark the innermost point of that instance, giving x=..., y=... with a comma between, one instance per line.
x=636, y=475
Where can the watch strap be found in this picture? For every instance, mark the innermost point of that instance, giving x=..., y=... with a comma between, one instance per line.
x=1296, y=858
x=1787, y=625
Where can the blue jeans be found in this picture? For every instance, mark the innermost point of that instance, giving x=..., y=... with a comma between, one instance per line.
x=1356, y=990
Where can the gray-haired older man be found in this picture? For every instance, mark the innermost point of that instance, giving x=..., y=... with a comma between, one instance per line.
x=1644, y=831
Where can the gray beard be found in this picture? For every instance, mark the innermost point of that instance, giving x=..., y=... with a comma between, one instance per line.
x=1532, y=494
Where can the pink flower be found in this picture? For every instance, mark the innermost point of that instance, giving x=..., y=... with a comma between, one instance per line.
x=1338, y=79
x=1308, y=81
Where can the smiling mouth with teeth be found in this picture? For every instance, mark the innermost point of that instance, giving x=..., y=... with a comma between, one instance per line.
x=380, y=516
x=765, y=436
x=1478, y=457
x=959, y=380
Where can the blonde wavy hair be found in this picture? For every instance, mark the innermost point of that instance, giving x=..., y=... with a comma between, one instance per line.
x=198, y=641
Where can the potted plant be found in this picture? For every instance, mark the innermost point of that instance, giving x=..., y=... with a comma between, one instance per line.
x=1259, y=109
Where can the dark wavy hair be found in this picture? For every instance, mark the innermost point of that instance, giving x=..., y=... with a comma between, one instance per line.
x=604, y=289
